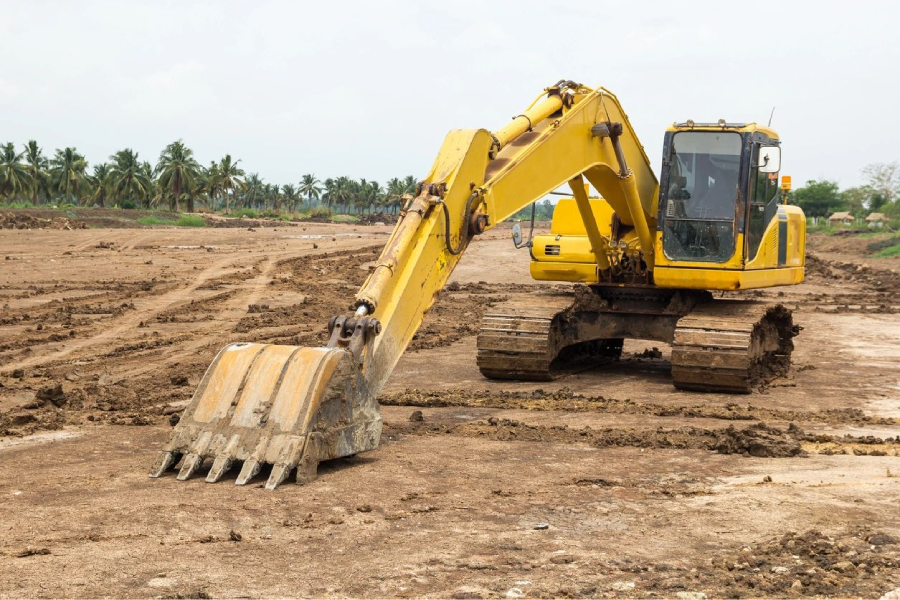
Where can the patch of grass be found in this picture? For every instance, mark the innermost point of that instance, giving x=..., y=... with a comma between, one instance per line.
x=250, y=213
x=293, y=216
x=154, y=220
x=882, y=244
x=17, y=204
x=190, y=221
x=344, y=219
x=889, y=251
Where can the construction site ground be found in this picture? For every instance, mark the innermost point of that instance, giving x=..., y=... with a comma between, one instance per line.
x=605, y=483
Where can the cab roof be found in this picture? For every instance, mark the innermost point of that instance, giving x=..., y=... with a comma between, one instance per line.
x=723, y=125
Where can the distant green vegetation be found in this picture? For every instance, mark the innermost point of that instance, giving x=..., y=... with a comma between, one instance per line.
x=29, y=179
x=190, y=221
x=543, y=211
x=345, y=219
x=154, y=220
x=880, y=193
x=889, y=251
x=886, y=248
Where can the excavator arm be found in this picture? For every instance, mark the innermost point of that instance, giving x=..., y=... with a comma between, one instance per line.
x=293, y=407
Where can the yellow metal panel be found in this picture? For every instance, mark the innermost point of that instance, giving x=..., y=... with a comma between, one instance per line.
x=567, y=219
x=572, y=249
x=721, y=279
x=562, y=271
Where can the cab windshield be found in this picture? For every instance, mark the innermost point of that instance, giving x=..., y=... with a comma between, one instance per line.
x=701, y=193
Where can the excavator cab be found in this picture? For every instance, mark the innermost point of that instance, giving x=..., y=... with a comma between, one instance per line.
x=720, y=213
x=721, y=223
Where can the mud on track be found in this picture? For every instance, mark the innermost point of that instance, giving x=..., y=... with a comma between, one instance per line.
x=606, y=483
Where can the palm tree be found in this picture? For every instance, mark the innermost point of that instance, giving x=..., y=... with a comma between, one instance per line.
x=309, y=187
x=14, y=175
x=177, y=172
x=37, y=166
x=396, y=189
x=155, y=192
x=290, y=196
x=344, y=191
x=273, y=193
x=365, y=194
x=68, y=173
x=254, y=190
x=330, y=194
x=129, y=177
x=211, y=185
x=102, y=184
x=229, y=178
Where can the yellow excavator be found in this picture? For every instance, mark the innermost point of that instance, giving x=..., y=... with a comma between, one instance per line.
x=644, y=257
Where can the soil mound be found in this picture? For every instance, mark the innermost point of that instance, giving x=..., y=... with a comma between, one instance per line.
x=13, y=220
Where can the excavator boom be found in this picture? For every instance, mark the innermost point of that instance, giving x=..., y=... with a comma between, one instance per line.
x=293, y=407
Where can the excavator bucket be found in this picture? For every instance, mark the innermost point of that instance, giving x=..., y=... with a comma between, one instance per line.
x=287, y=406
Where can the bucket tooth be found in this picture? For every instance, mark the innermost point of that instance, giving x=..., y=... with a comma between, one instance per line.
x=190, y=465
x=274, y=405
x=164, y=461
x=308, y=466
x=279, y=473
x=219, y=468
x=248, y=471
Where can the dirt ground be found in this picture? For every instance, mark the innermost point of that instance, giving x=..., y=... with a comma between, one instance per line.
x=606, y=483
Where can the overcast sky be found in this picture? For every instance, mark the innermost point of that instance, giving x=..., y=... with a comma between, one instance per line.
x=369, y=89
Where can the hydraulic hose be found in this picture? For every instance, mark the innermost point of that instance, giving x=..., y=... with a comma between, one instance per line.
x=463, y=230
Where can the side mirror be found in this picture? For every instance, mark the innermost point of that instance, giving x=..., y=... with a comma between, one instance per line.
x=769, y=159
x=517, y=235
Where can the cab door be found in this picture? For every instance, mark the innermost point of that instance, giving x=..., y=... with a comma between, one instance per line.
x=762, y=205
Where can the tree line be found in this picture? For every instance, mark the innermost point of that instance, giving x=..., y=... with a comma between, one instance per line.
x=179, y=182
x=879, y=193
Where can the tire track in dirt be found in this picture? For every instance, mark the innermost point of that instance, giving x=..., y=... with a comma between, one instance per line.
x=154, y=306
x=231, y=311
x=91, y=241
x=248, y=291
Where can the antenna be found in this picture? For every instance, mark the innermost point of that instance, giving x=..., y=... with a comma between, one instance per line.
x=771, y=114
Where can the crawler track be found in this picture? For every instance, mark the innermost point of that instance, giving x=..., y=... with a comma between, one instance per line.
x=520, y=341
x=514, y=342
x=731, y=346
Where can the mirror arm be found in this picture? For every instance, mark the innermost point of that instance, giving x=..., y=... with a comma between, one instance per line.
x=530, y=241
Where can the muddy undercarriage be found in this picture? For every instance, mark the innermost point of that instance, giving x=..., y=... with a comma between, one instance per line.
x=720, y=345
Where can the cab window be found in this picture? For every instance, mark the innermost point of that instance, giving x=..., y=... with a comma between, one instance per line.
x=701, y=195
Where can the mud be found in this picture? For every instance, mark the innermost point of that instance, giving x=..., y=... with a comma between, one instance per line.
x=851, y=563
x=757, y=440
x=606, y=483
x=564, y=399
